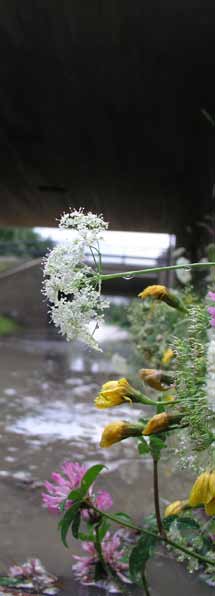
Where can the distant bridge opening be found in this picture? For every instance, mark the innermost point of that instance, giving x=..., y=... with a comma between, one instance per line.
x=124, y=250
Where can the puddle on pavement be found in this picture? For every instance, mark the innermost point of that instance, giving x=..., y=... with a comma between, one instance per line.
x=48, y=416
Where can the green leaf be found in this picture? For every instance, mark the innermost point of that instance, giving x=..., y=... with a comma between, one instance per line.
x=62, y=505
x=187, y=522
x=156, y=446
x=182, y=522
x=76, y=524
x=90, y=477
x=143, y=446
x=168, y=521
x=9, y=581
x=140, y=554
x=103, y=529
x=150, y=522
x=89, y=537
x=121, y=516
x=67, y=520
x=75, y=495
x=160, y=409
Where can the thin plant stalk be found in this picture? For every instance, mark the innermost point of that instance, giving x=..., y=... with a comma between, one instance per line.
x=166, y=540
x=156, y=499
x=99, y=549
x=145, y=585
x=136, y=272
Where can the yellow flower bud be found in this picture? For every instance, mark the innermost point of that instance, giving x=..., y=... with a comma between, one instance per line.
x=117, y=431
x=201, y=493
x=210, y=507
x=175, y=508
x=164, y=295
x=114, y=393
x=157, y=424
x=212, y=483
x=157, y=379
x=167, y=356
x=158, y=292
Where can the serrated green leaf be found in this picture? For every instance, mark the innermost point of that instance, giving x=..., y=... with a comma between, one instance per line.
x=90, y=477
x=76, y=524
x=67, y=520
x=139, y=557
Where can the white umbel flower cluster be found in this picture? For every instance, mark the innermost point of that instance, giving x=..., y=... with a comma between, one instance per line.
x=71, y=286
x=210, y=383
x=89, y=227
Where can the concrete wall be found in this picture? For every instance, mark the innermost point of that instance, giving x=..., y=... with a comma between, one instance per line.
x=21, y=298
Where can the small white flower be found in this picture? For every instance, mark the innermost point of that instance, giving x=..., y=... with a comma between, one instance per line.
x=89, y=226
x=71, y=286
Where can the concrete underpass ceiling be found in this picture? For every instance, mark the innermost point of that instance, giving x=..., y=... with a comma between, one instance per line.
x=100, y=106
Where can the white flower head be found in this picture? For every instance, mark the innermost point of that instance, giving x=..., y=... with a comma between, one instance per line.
x=72, y=287
x=89, y=226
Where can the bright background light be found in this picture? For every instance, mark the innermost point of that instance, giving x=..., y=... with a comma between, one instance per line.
x=133, y=244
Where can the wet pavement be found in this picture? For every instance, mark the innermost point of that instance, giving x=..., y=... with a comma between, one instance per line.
x=48, y=416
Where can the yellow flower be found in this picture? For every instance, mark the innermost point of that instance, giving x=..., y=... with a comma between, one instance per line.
x=164, y=295
x=117, y=431
x=201, y=493
x=157, y=379
x=210, y=507
x=167, y=356
x=157, y=423
x=158, y=292
x=175, y=508
x=114, y=393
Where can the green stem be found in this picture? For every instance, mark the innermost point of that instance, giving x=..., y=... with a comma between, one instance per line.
x=156, y=499
x=145, y=585
x=155, y=270
x=143, y=399
x=183, y=549
x=99, y=549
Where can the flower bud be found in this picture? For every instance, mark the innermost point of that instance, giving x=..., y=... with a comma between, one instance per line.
x=117, y=431
x=157, y=379
x=157, y=424
x=202, y=492
x=210, y=507
x=164, y=295
x=175, y=508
